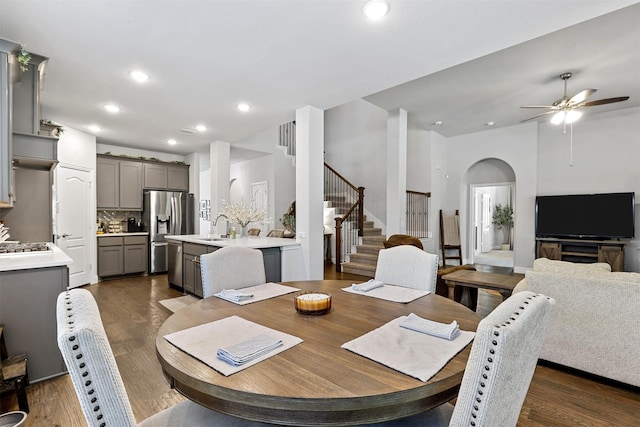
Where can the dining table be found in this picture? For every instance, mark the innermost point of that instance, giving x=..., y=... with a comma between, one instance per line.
x=316, y=382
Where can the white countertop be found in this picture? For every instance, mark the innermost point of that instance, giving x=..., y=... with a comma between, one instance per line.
x=24, y=261
x=247, y=242
x=133, y=233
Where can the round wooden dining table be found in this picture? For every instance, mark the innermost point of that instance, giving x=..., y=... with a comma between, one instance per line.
x=315, y=383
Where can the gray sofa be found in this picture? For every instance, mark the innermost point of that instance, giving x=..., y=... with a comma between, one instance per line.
x=596, y=324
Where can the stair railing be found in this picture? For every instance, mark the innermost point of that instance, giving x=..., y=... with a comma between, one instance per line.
x=418, y=213
x=349, y=225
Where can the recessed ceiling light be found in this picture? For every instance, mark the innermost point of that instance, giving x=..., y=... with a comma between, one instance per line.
x=112, y=108
x=201, y=128
x=172, y=142
x=95, y=128
x=490, y=123
x=139, y=76
x=243, y=107
x=375, y=9
x=438, y=123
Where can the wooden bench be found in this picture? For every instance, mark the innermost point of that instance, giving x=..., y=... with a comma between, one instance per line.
x=13, y=374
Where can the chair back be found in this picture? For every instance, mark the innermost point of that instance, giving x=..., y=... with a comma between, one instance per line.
x=92, y=367
x=276, y=232
x=402, y=239
x=502, y=362
x=253, y=232
x=407, y=266
x=231, y=267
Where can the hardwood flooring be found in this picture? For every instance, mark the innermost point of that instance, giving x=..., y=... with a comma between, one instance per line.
x=132, y=315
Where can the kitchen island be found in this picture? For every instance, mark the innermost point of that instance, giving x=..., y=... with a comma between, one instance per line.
x=29, y=286
x=283, y=259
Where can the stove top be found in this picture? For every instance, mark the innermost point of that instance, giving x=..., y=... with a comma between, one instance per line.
x=24, y=248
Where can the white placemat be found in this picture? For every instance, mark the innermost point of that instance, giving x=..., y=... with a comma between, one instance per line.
x=413, y=353
x=203, y=341
x=391, y=293
x=261, y=292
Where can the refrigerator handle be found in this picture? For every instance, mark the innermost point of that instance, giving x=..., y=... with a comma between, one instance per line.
x=176, y=211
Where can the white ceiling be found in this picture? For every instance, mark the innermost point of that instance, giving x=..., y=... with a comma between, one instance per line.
x=204, y=57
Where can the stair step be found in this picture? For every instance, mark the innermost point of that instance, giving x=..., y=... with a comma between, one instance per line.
x=369, y=249
x=359, y=269
x=333, y=198
x=377, y=240
x=368, y=224
x=372, y=232
x=362, y=258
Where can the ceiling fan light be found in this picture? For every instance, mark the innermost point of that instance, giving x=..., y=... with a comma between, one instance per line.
x=558, y=118
x=572, y=116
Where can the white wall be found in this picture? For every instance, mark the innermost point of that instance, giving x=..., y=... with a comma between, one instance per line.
x=355, y=146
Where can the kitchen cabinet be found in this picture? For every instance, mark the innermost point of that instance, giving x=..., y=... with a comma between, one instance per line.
x=6, y=93
x=28, y=312
x=119, y=184
x=120, y=255
x=159, y=176
x=192, y=277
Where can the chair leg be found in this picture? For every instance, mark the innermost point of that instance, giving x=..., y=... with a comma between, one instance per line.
x=21, y=392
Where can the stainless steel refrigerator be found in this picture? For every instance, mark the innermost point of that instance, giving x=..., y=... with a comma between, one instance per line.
x=165, y=212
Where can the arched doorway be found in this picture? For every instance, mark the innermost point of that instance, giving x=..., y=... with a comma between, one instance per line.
x=492, y=188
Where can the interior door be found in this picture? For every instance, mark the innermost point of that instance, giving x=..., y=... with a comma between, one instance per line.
x=74, y=225
x=487, y=215
x=260, y=196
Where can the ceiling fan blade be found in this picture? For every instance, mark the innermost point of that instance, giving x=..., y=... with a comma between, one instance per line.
x=539, y=115
x=581, y=96
x=604, y=101
x=537, y=106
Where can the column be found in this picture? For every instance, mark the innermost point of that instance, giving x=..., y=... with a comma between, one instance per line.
x=396, y=172
x=219, y=157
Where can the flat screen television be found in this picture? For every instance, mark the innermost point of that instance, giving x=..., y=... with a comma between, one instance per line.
x=586, y=216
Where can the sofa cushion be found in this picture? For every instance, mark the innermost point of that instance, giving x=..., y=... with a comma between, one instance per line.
x=566, y=267
x=595, y=324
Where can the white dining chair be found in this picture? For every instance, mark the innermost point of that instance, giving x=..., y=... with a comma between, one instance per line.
x=231, y=267
x=407, y=266
x=86, y=352
x=503, y=359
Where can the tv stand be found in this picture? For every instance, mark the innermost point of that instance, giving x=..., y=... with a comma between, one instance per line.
x=585, y=251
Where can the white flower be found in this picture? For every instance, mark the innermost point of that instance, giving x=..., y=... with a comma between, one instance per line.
x=241, y=213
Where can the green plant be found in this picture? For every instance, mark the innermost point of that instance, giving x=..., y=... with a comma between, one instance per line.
x=58, y=130
x=503, y=220
x=23, y=58
x=289, y=221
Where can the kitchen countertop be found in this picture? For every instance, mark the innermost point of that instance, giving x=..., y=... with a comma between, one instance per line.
x=24, y=261
x=133, y=233
x=247, y=242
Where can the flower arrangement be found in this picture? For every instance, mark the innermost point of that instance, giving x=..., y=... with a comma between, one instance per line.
x=242, y=213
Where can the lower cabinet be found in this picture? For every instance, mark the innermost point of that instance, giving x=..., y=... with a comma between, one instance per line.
x=120, y=255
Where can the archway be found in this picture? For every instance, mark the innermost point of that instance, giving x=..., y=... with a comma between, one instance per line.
x=492, y=188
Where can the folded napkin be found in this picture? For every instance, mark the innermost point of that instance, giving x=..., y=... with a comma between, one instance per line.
x=367, y=286
x=234, y=295
x=246, y=351
x=441, y=330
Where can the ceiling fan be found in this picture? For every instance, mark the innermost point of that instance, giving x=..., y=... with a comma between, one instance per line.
x=565, y=109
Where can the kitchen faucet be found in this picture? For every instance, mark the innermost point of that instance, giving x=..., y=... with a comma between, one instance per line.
x=215, y=222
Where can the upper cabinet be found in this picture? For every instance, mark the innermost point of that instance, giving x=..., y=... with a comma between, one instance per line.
x=161, y=176
x=118, y=184
x=7, y=59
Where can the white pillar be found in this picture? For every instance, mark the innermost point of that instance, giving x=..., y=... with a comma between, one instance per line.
x=396, y=172
x=310, y=188
x=219, y=157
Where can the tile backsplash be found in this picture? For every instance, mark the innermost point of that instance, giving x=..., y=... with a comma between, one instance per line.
x=116, y=221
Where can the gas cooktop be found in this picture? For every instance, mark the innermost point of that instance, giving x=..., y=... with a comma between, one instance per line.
x=24, y=248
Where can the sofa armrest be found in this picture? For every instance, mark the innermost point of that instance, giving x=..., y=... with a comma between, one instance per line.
x=521, y=286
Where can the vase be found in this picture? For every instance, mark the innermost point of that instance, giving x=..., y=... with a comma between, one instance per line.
x=243, y=230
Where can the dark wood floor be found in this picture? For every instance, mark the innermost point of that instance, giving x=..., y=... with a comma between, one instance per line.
x=132, y=315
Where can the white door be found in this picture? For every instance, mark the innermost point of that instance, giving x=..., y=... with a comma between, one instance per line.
x=74, y=227
x=487, y=229
x=260, y=196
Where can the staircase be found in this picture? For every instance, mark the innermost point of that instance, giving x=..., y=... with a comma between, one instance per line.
x=363, y=261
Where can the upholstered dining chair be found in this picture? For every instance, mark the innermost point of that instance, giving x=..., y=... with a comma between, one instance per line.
x=503, y=359
x=96, y=378
x=231, y=267
x=276, y=232
x=253, y=232
x=407, y=266
x=402, y=239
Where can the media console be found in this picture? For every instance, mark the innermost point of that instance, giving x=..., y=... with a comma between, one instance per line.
x=585, y=251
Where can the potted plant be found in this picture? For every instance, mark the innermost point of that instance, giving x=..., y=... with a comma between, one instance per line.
x=503, y=220
x=288, y=220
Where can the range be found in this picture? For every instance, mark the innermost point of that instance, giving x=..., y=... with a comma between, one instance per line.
x=24, y=248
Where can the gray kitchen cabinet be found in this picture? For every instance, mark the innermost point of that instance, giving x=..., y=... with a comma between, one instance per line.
x=6, y=145
x=272, y=267
x=119, y=255
x=27, y=104
x=28, y=312
x=160, y=176
x=192, y=277
x=118, y=184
